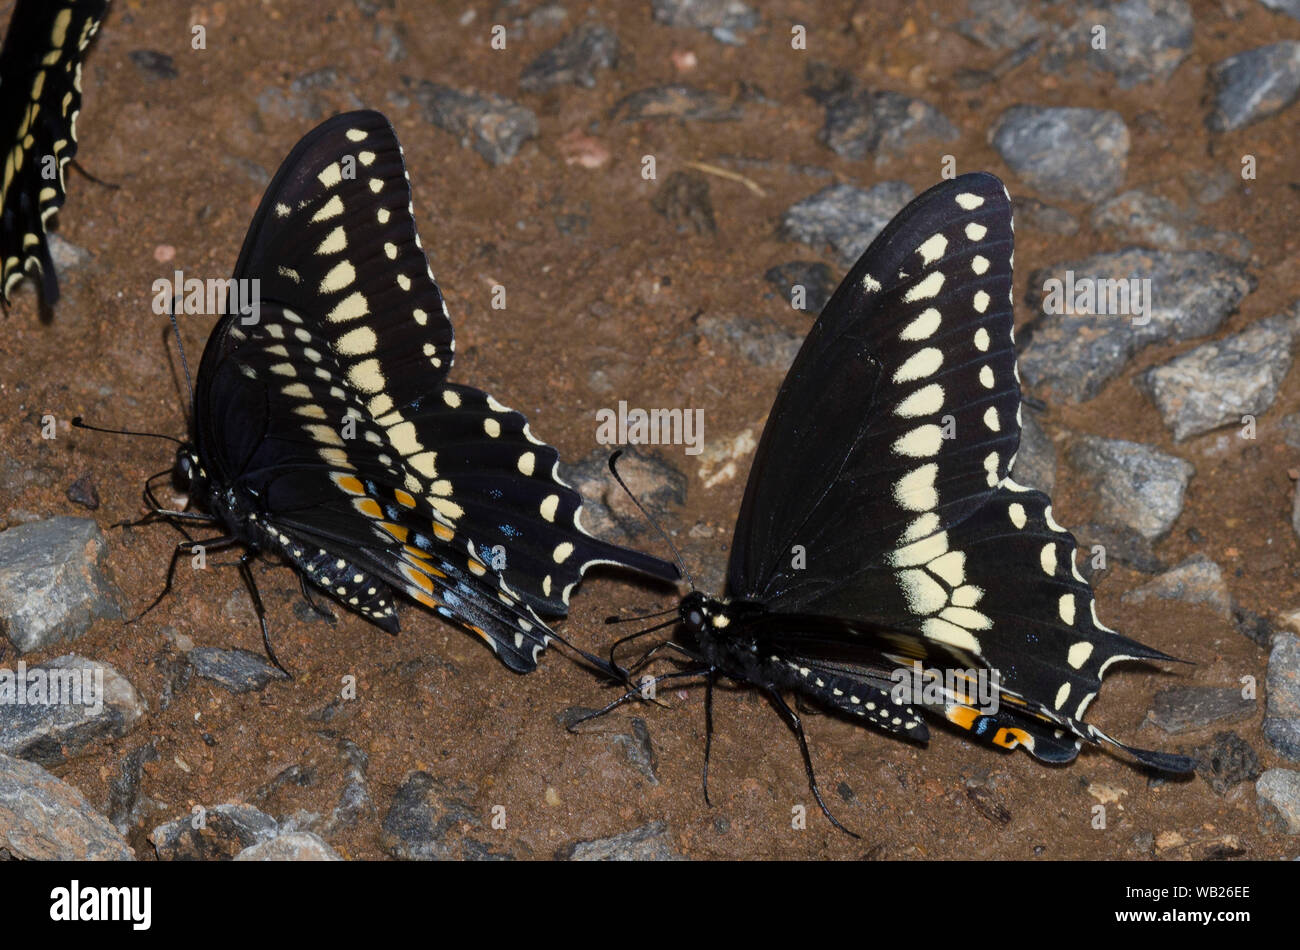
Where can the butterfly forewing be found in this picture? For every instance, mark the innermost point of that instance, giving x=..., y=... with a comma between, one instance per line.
x=40, y=98
x=905, y=398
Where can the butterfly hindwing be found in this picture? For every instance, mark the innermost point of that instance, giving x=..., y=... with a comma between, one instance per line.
x=40, y=98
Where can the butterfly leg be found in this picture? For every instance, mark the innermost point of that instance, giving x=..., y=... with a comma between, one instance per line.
x=708, y=729
x=188, y=546
x=638, y=691
x=795, y=723
x=247, y=573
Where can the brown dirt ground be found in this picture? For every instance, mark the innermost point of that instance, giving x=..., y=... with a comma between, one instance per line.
x=103, y=355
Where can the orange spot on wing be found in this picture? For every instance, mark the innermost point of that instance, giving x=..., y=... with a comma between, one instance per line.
x=368, y=506
x=442, y=532
x=963, y=716
x=1010, y=738
x=404, y=498
x=350, y=484
x=396, y=530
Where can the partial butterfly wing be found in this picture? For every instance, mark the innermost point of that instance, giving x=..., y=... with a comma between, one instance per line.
x=40, y=96
x=902, y=411
x=330, y=405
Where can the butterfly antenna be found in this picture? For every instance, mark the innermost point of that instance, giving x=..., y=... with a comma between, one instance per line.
x=79, y=423
x=660, y=613
x=189, y=384
x=677, y=556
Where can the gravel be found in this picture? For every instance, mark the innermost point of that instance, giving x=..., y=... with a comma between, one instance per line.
x=1075, y=354
x=1282, y=713
x=45, y=819
x=1076, y=154
x=494, y=126
x=52, y=582
x=573, y=61
x=240, y=671
x=1198, y=580
x=79, y=703
x=815, y=278
x=674, y=101
x=724, y=20
x=225, y=831
x=844, y=217
x=684, y=200
x=1136, y=486
x=1218, y=383
x=648, y=843
x=1254, y=85
x=1278, y=797
x=1192, y=708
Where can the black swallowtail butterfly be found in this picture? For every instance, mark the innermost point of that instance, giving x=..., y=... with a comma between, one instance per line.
x=869, y=540
x=40, y=96
x=325, y=433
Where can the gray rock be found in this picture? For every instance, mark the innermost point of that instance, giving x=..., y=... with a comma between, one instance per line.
x=1035, y=462
x=308, y=98
x=574, y=60
x=1219, y=382
x=45, y=819
x=845, y=217
x=683, y=199
x=999, y=24
x=1146, y=40
x=760, y=340
x=648, y=843
x=1198, y=580
x=1077, y=154
x=82, y=492
x=492, y=125
x=1278, y=798
x=52, y=711
x=66, y=255
x=1260, y=630
x=1035, y=215
x=724, y=20
x=1190, y=708
x=52, y=582
x=1075, y=354
x=816, y=279
x=225, y=831
x=290, y=846
x=153, y=64
x=1290, y=426
x=640, y=751
x=424, y=810
x=1225, y=761
x=239, y=671
x=880, y=124
x=1136, y=485
x=1290, y=7
x=1141, y=218
x=1119, y=543
x=125, y=797
x=607, y=512
x=1254, y=85
x=1295, y=510
x=674, y=101
x=354, y=801
x=1282, y=713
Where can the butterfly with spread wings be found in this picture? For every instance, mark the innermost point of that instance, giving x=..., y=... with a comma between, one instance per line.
x=881, y=526
x=325, y=432
x=40, y=98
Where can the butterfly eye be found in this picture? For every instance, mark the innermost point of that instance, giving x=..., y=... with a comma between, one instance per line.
x=183, y=470
x=695, y=618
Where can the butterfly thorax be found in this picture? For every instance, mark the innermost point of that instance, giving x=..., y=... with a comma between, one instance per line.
x=726, y=635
